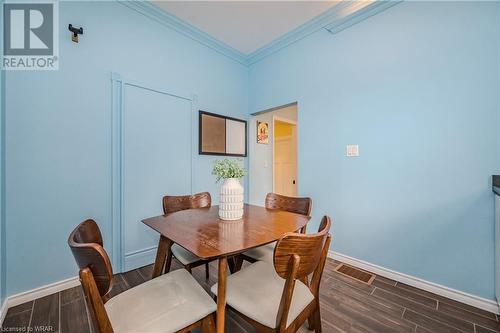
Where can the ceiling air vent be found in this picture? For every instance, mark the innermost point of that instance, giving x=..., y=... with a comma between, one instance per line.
x=355, y=273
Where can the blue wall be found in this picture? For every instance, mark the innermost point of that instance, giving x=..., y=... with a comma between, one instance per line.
x=58, y=135
x=417, y=88
x=2, y=169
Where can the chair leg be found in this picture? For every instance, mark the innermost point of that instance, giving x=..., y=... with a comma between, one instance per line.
x=310, y=322
x=231, y=264
x=317, y=319
x=168, y=262
x=208, y=324
x=238, y=263
x=207, y=271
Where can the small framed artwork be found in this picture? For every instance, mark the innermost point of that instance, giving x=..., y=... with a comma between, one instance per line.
x=262, y=132
x=221, y=135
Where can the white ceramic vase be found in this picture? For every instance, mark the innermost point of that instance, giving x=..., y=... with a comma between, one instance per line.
x=231, y=200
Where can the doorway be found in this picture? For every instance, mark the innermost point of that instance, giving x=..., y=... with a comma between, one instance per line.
x=274, y=162
x=285, y=156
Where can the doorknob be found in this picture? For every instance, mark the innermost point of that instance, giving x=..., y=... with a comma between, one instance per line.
x=293, y=182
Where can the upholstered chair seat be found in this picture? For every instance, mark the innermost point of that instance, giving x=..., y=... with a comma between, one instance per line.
x=165, y=304
x=183, y=255
x=173, y=302
x=256, y=292
x=276, y=296
x=262, y=253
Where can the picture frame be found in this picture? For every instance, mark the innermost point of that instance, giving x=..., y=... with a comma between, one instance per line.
x=221, y=135
x=262, y=132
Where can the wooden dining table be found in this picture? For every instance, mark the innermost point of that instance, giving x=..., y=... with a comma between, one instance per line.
x=203, y=233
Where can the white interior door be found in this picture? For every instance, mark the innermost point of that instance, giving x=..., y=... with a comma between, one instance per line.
x=285, y=164
x=156, y=160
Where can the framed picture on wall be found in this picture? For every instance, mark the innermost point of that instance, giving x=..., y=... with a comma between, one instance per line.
x=221, y=135
x=262, y=132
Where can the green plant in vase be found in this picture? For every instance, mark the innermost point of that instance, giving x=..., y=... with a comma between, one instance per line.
x=231, y=191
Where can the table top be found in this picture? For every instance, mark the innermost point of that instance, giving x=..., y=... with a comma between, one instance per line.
x=203, y=233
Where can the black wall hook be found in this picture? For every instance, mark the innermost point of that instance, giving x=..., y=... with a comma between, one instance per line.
x=76, y=32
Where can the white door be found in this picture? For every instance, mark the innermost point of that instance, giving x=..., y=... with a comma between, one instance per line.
x=156, y=161
x=285, y=164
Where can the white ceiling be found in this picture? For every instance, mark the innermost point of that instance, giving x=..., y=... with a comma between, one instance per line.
x=246, y=25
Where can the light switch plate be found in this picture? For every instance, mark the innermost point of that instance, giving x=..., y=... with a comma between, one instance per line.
x=352, y=150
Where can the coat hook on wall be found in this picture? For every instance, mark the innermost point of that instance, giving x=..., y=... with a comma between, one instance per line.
x=76, y=32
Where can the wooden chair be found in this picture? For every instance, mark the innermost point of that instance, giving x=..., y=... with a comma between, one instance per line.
x=173, y=302
x=172, y=204
x=271, y=296
x=276, y=201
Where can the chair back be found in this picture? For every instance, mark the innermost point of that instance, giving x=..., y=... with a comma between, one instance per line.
x=96, y=272
x=295, y=257
x=172, y=204
x=301, y=206
x=307, y=248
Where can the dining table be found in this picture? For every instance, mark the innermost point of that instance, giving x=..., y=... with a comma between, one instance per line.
x=203, y=233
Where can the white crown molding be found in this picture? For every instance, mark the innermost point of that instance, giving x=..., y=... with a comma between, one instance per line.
x=153, y=12
x=336, y=19
x=457, y=295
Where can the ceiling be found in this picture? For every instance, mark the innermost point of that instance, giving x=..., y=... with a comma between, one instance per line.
x=246, y=25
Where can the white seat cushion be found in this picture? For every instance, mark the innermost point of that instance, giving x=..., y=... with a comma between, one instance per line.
x=262, y=253
x=183, y=255
x=167, y=303
x=256, y=292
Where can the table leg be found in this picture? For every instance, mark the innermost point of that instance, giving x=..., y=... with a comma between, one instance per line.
x=221, y=295
x=161, y=255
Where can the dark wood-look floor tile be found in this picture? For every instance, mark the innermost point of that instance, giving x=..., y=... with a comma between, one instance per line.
x=336, y=320
x=71, y=295
x=428, y=323
x=372, y=321
x=328, y=328
x=480, y=329
x=74, y=318
x=45, y=316
x=469, y=316
x=385, y=280
x=381, y=284
x=421, y=329
x=416, y=297
x=28, y=306
x=119, y=285
x=424, y=310
x=133, y=278
x=442, y=299
x=344, y=291
x=146, y=272
x=17, y=322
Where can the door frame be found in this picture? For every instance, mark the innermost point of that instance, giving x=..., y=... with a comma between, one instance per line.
x=116, y=234
x=292, y=122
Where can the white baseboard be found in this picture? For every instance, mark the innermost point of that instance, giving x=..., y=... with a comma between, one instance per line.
x=3, y=311
x=42, y=291
x=39, y=292
x=457, y=295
